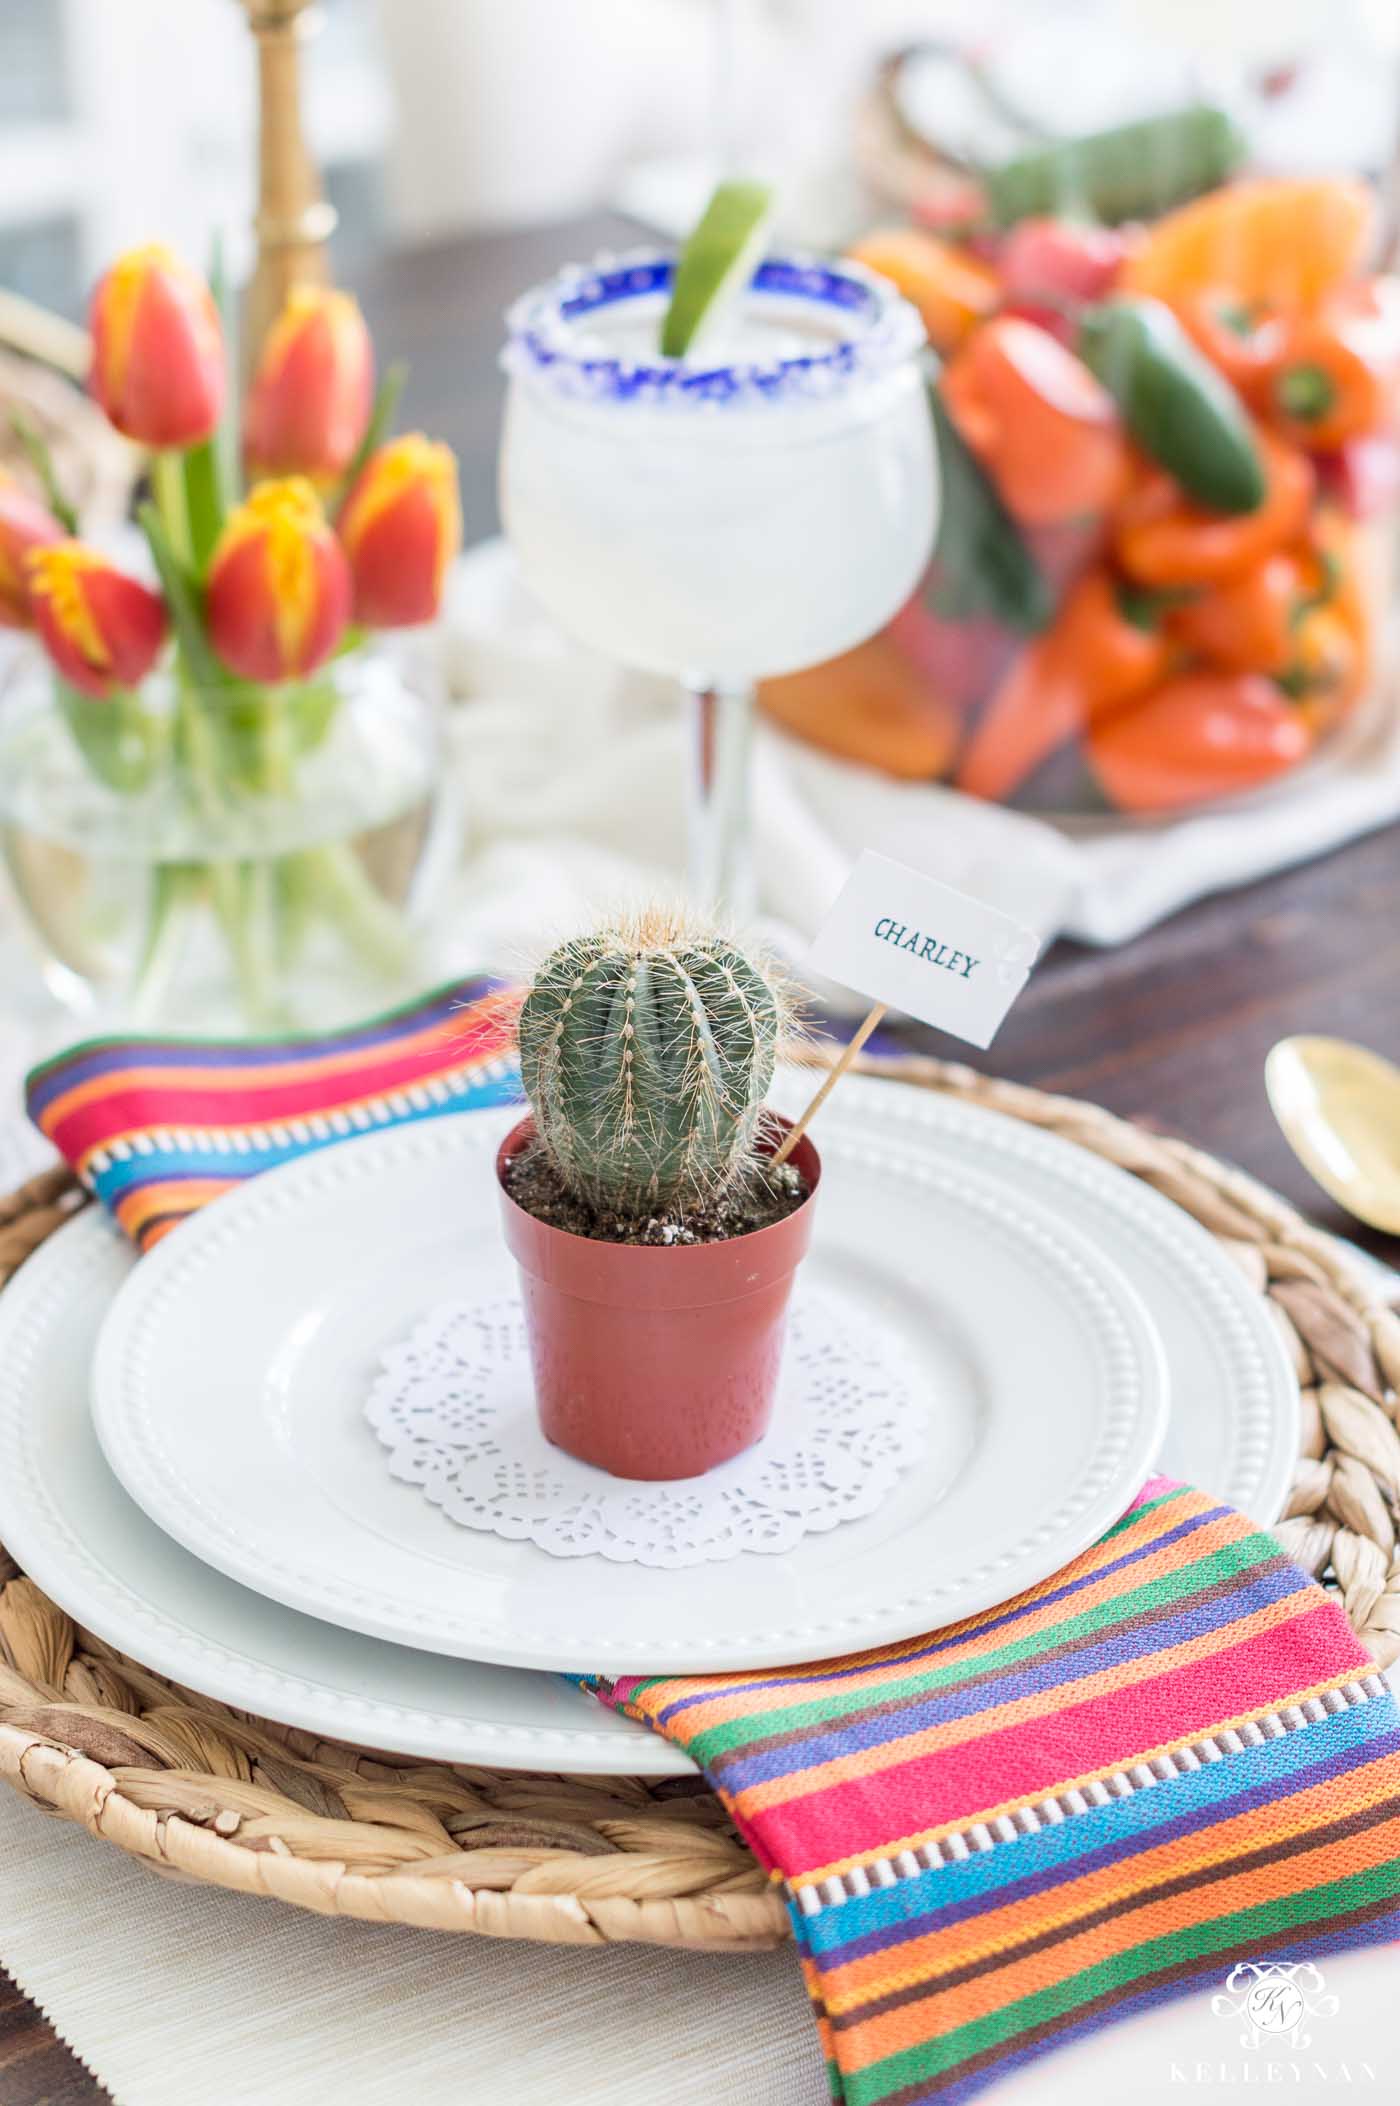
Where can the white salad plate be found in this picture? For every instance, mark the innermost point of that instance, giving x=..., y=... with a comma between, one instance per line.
x=232, y=1371
x=1233, y=1427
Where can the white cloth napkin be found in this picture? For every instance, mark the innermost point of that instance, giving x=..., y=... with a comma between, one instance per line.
x=574, y=779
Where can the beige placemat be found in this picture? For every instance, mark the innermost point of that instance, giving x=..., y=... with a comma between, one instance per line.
x=188, y=1996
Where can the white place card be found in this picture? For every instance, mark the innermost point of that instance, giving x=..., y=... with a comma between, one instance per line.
x=915, y=944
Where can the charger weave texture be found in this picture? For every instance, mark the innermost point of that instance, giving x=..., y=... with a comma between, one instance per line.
x=199, y=1791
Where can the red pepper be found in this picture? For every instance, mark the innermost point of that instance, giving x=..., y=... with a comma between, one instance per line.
x=1340, y=371
x=1065, y=552
x=1244, y=343
x=1364, y=475
x=961, y=659
x=1247, y=624
x=1060, y=322
x=951, y=204
x=1103, y=648
x=1052, y=261
x=1163, y=539
x=1200, y=736
x=1043, y=427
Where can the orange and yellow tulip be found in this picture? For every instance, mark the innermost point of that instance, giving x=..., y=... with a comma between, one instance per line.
x=102, y=629
x=24, y=524
x=400, y=527
x=278, y=594
x=313, y=390
x=157, y=349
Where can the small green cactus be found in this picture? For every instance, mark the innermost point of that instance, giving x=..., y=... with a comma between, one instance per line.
x=646, y=1050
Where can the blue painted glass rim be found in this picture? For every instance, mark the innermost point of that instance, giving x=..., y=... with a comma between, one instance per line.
x=881, y=331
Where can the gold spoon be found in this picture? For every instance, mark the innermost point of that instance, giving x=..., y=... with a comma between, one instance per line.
x=1339, y=1107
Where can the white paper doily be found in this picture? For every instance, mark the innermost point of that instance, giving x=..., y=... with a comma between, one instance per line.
x=454, y=1407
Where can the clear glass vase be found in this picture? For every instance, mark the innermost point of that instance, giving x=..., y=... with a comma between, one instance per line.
x=256, y=859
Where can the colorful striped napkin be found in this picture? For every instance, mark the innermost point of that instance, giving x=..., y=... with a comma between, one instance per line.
x=1172, y=1756
x=1169, y=1758
x=157, y=1127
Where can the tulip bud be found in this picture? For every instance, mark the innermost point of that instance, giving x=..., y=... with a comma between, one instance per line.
x=102, y=629
x=157, y=349
x=24, y=524
x=401, y=527
x=313, y=390
x=278, y=596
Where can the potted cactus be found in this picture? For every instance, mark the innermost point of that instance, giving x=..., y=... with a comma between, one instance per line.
x=656, y=1240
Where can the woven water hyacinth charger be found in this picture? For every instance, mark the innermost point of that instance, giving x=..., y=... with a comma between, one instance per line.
x=199, y=1791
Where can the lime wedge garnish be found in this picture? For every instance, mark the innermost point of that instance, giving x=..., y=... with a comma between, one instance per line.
x=716, y=263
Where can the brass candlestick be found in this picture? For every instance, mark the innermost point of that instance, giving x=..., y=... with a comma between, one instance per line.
x=294, y=221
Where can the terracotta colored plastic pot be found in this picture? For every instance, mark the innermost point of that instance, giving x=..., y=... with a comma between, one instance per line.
x=655, y=1363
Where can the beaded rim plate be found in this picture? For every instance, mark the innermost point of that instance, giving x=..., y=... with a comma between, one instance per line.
x=1234, y=1394
x=64, y=1515
x=78, y=1536
x=231, y=1372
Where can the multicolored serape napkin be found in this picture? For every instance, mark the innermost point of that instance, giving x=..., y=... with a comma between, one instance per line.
x=1172, y=1756
x=1168, y=1758
x=157, y=1127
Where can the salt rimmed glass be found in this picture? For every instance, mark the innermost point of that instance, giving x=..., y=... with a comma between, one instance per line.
x=719, y=520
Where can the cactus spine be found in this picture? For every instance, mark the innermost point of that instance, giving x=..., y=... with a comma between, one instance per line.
x=646, y=1050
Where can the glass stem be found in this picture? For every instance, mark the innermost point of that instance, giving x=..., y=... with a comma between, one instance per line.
x=721, y=861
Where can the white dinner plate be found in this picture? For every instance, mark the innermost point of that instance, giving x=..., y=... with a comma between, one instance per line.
x=68, y=1522
x=232, y=1371
x=1234, y=1396
x=1233, y=1427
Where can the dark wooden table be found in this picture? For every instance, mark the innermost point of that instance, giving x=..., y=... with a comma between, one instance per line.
x=1171, y=1030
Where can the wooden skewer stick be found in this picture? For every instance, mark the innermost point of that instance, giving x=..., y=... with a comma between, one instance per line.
x=829, y=1082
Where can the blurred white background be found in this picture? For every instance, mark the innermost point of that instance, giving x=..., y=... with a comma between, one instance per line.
x=120, y=119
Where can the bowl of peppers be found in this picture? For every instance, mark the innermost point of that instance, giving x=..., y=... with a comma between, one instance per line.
x=1169, y=464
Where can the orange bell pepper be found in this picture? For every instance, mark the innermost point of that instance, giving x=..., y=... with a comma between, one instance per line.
x=1245, y=344
x=952, y=290
x=1276, y=243
x=1340, y=370
x=1043, y=427
x=871, y=705
x=1096, y=655
x=1199, y=736
x=1246, y=625
x=1162, y=539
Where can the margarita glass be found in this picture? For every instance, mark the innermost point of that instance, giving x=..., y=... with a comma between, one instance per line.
x=726, y=518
